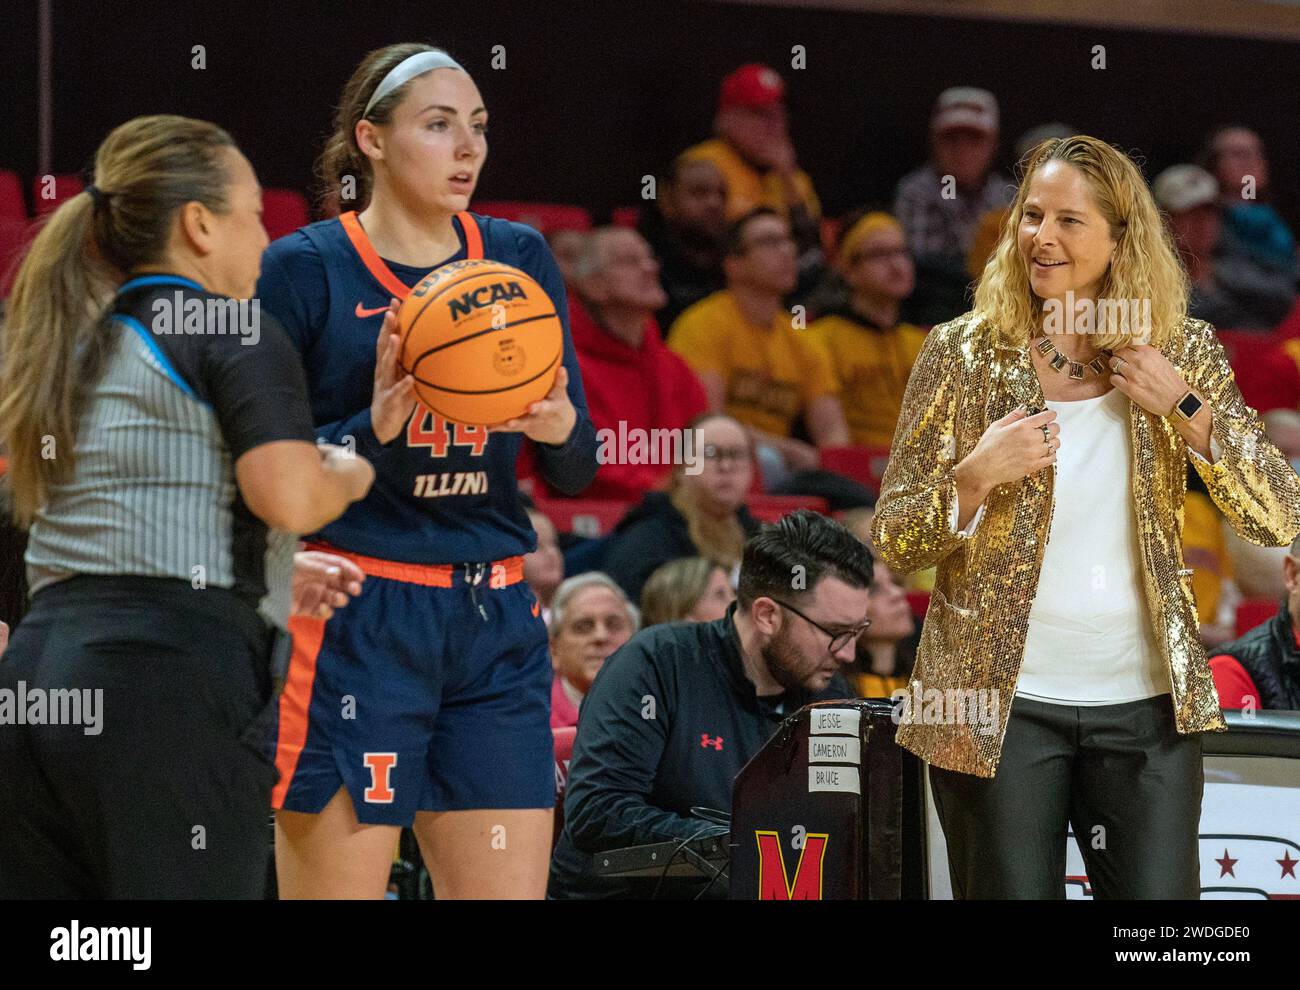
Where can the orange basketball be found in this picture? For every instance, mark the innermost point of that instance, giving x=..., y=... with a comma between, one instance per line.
x=482, y=340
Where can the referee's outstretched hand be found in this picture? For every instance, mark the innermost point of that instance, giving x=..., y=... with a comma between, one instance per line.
x=393, y=399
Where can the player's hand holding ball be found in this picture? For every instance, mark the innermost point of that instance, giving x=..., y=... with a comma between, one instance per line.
x=393, y=399
x=548, y=420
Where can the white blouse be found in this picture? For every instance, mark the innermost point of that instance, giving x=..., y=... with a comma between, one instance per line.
x=1091, y=639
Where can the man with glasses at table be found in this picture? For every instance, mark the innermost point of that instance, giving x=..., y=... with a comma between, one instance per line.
x=675, y=714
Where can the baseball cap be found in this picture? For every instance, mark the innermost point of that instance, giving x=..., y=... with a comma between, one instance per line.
x=753, y=85
x=1184, y=187
x=965, y=106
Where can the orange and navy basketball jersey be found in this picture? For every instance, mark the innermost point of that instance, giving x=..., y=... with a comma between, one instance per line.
x=443, y=492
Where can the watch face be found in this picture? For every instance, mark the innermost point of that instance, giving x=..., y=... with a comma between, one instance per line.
x=1189, y=405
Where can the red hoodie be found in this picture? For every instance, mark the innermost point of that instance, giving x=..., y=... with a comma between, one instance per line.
x=649, y=387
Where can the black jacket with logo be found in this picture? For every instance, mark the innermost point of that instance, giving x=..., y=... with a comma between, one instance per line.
x=1268, y=653
x=667, y=725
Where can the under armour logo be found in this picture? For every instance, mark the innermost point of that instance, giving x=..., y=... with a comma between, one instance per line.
x=706, y=742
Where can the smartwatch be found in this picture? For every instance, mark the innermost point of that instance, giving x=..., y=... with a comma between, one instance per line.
x=1188, y=406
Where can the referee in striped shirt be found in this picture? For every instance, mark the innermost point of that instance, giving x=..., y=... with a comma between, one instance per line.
x=161, y=451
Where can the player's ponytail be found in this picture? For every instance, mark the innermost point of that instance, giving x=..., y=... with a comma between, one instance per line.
x=345, y=176
x=54, y=344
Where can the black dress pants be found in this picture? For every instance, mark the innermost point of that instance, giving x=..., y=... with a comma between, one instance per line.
x=1121, y=775
x=162, y=788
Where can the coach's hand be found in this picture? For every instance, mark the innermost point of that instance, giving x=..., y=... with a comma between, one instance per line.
x=393, y=399
x=323, y=582
x=549, y=420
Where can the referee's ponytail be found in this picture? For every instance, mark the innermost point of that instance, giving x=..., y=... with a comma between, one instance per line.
x=53, y=346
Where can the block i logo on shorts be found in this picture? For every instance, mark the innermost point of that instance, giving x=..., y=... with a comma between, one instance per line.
x=380, y=765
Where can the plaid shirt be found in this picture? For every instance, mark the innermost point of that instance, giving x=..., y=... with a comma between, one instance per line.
x=934, y=225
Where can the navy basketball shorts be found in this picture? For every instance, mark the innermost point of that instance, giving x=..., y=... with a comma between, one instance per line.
x=430, y=691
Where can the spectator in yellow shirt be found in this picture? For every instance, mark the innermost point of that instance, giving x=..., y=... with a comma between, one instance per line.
x=1205, y=550
x=754, y=152
x=871, y=352
x=753, y=363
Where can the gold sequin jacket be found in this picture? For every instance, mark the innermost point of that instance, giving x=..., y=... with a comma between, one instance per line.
x=974, y=633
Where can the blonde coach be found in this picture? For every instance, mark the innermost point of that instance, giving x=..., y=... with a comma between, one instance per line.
x=1062, y=603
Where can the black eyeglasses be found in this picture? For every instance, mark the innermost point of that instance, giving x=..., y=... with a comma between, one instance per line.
x=839, y=640
x=736, y=455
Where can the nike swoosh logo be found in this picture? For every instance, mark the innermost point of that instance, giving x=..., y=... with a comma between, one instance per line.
x=362, y=312
x=537, y=606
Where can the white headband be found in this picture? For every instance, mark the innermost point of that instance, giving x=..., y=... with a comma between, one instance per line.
x=407, y=69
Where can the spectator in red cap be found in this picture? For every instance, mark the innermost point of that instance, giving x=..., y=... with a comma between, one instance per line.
x=941, y=203
x=633, y=381
x=754, y=152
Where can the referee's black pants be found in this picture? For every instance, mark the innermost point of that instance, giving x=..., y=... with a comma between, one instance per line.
x=169, y=795
x=1121, y=775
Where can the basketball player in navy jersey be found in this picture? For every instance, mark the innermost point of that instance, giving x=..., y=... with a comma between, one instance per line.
x=426, y=701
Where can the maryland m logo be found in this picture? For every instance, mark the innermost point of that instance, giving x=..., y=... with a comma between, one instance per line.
x=774, y=883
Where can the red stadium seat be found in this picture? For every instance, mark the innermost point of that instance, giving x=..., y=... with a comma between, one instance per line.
x=625, y=216
x=1254, y=612
x=919, y=602
x=283, y=211
x=770, y=508
x=1290, y=325
x=585, y=516
x=865, y=465
x=545, y=217
x=1245, y=347
x=12, y=206
x=563, y=739
x=64, y=187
